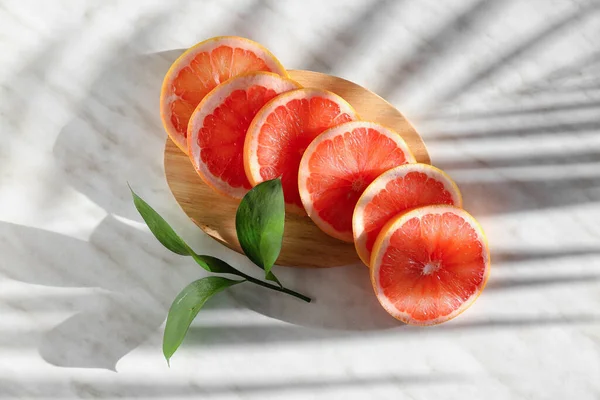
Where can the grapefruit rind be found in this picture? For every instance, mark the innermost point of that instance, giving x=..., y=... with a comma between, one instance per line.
x=304, y=171
x=167, y=97
x=382, y=243
x=379, y=184
x=207, y=106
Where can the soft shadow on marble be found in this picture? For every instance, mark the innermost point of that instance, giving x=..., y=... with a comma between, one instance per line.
x=138, y=285
x=85, y=388
x=124, y=137
x=116, y=136
x=342, y=299
x=507, y=97
x=124, y=141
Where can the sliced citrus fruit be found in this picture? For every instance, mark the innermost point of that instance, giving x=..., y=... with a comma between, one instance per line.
x=197, y=71
x=283, y=129
x=429, y=264
x=217, y=128
x=337, y=167
x=395, y=191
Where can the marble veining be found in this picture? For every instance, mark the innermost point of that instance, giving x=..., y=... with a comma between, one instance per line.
x=507, y=97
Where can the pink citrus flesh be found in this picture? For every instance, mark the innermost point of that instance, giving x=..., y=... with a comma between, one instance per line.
x=217, y=128
x=283, y=129
x=396, y=191
x=200, y=69
x=429, y=264
x=337, y=167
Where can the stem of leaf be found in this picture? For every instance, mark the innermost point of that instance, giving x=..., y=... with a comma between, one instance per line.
x=276, y=288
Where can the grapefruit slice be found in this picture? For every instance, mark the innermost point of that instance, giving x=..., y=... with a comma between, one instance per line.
x=429, y=264
x=217, y=128
x=337, y=167
x=199, y=70
x=395, y=191
x=283, y=129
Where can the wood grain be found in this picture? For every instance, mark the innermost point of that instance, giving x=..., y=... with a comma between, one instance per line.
x=304, y=245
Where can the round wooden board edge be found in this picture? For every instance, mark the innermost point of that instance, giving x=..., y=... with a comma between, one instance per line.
x=417, y=145
x=350, y=257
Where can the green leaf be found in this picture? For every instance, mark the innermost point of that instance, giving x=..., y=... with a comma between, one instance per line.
x=259, y=224
x=270, y=276
x=159, y=227
x=185, y=307
x=167, y=236
x=213, y=264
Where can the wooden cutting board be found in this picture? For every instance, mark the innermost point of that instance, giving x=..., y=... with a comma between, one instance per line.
x=304, y=245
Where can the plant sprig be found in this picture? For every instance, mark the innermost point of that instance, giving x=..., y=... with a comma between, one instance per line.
x=259, y=226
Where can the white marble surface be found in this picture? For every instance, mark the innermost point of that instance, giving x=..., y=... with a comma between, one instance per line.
x=507, y=96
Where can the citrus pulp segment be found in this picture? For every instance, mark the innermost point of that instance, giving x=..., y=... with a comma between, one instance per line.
x=200, y=69
x=395, y=191
x=283, y=129
x=339, y=164
x=429, y=264
x=217, y=128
